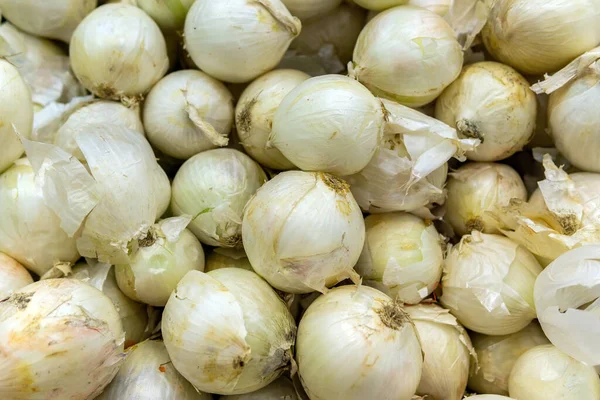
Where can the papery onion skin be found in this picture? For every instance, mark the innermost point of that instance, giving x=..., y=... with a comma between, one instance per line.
x=303, y=231
x=488, y=284
x=30, y=231
x=281, y=389
x=16, y=109
x=188, y=112
x=118, y=52
x=541, y=36
x=352, y=342
x=59, y=338
x=227, y=331
x=402, y=256
x=56, y=19
x=307, y=9
x=496, y=356
x=328, y=123
x=477, y=188
x=168, y=14
x=148, y=373
x=214, y=187
x=491, y=102
x=221, y=258
x=255, y=110
x=545, y=372
x=407, y=54
x=244, y=39
x=13, y=276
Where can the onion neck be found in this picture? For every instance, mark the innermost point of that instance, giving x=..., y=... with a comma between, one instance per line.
x=393, y=315
x=469, y=129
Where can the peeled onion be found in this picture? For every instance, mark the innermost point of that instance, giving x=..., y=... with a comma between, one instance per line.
x=13, y=276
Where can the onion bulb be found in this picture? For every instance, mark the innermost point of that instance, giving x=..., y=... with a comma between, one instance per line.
x=13, y=276
x=222, y=257
x=213, y=187
x=168, y=14
x=303, y=231
x=545, y=372
x=488, y=284
x=447, y=352
x=147, y=373
x=187, y=112
x=60, y=338
x=476, y=189
x=164, y=256
x=380, y=5
x=306, y=9
x=540, y=36
x=402, y=256
x=328, y=123
x=236, y=40
x=56, y=19
x=352, y=342
x=16, y=110
x=489, y=397
x=491, y=102
x=281, y=389
x=496, y=356
x=118, y=52
x=255, y=110
x=227, y=331
x=30, y=232
x=407, y=54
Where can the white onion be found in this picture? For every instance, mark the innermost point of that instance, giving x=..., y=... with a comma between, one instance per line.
x=168, y=252
x=328, y=123
x=255, y=110
x=61, y=338
x=147, y=373
x=540, y=36
x=118, y=52
x=16, y=110
x=352, y=344
x=476, y=189
x=222, y=257
x=187, y=112
x=303, y=231
x=402, y=256
x=496, y=356
x=407, y=54
x=447, y=352
x=30, y=231
x=545, y=372
x=488, y=284
x=306, y=9
x=213, y=187
x=227, y=331
x=237, y=40
x=281, y=389
x=56, y=19
x=491, y=102
x=13, y=276
x=489, y=397
x=380, y=5
x=168, y=14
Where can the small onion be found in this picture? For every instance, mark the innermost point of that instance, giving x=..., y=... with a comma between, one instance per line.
x=328, y=123
x=118, y=52
x=56, y=19
x=255, y=110
x=352, y=344
x=545, y=372
x=236, y=40
x=306, y=9
x=187, y=112
x=402, y=256
x=281, y=389
x=491, y=102
x=30, y=231
x=227, y=331
x=478, y=188
x=60, y=338
x=147, y=373
x=213, y=187
x=407, y=54
x=168, y=14
x=303, y=231
x=497, y=355
x=16, y=110
x=488, y=284
x=164, y=256
x=222, y=257
x=540, y=36
x=447, y=352
x=13, y=276
x=380, y=5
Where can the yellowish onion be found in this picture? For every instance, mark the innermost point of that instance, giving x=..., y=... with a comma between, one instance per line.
x=13, y=276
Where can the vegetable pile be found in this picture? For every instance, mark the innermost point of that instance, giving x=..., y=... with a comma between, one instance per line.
x=299, y=199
